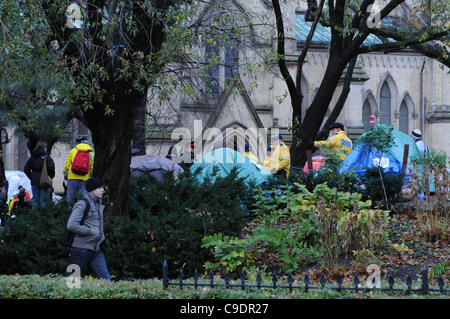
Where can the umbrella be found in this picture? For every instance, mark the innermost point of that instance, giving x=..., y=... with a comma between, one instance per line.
x=155, y=165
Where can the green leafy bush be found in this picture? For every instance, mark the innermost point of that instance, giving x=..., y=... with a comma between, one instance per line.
x=32, y=244
x=294, y=227
x=171, y=218
x=167, y=222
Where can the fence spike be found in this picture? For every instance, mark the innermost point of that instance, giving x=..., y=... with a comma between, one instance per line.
x=227, y=279
x=340, y=280
x=258, y=280
x=425, y=285
x=409, y=282
x=211, y=278
x=274, y=279
x=307, y=281
x=356, y=282
x=242, y=279
x=290, y=281
x=391, y=281
x=441, y=283
x=323, y=281
x=165, y=275
x=195, y=278
x=181, y=278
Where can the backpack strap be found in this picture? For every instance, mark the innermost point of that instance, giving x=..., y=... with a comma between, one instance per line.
x=86, y=210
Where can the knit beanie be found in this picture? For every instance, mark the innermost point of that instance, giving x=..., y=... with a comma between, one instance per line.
x=93, y=183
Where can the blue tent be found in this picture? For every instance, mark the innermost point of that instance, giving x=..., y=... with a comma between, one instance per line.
x=365, y=156
x=224, y=160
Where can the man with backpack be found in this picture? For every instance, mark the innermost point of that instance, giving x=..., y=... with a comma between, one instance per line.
x=84, y=232
x=79, y=167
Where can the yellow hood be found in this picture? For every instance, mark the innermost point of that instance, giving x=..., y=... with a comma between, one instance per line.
x=83, y=147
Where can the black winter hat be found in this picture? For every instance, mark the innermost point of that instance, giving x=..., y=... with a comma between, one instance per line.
x=93, y=183
x=336, y=125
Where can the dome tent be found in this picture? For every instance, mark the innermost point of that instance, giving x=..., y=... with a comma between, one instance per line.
x=364, y=156
x=224, y=160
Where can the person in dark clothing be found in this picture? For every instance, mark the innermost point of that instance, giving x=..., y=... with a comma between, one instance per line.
x=3, y=184
x=33, y=169
x=3, y=191
x=89, y=235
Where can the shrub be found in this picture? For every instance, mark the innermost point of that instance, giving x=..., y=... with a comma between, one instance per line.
x=433, y=215
x=170, y=219
x=167, y=221
x=32, y=244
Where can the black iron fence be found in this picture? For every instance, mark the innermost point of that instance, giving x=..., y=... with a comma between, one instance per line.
x=243, y=283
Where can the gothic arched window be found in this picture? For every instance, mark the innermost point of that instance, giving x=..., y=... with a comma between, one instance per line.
x=366, y=112
x=213, y=74
x=404, y=118
x=385, y=104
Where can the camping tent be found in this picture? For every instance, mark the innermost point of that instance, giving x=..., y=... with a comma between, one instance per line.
x=155, y=165
x=365, y=156
x=224, y=160
x=16, y=179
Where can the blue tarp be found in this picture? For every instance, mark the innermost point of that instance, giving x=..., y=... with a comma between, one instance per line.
x=364, y=156
x=367, y=156
x=224, y=160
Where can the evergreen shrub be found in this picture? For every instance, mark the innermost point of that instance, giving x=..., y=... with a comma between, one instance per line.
x=171, y=218
x=167, y=221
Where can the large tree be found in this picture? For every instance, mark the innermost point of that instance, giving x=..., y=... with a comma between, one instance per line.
x=33, y=84
x=350, y=23
x=110, y=51
x=113, y=52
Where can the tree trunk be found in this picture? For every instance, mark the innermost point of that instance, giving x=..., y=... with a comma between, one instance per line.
x=316, y=112
x=139, y=127
x=112, y=136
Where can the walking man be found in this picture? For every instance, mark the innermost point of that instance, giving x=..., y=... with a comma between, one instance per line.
x=79, y=167
x=85, y=249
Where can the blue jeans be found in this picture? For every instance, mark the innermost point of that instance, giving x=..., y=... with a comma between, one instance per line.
x=74, y=186
x=40, y=196
x=95, y=259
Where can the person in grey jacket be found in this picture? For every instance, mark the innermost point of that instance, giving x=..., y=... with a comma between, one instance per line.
x=89, y=235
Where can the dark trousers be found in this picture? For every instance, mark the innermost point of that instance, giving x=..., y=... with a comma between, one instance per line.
x=94, y=259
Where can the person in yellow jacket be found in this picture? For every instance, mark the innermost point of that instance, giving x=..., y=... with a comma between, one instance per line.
x=338, y=144
x=251, y=155
x=280, y=161
x=268, y=158
x=75, y=182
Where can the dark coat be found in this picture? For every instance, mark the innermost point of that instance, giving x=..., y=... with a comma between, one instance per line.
x=33, y=167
